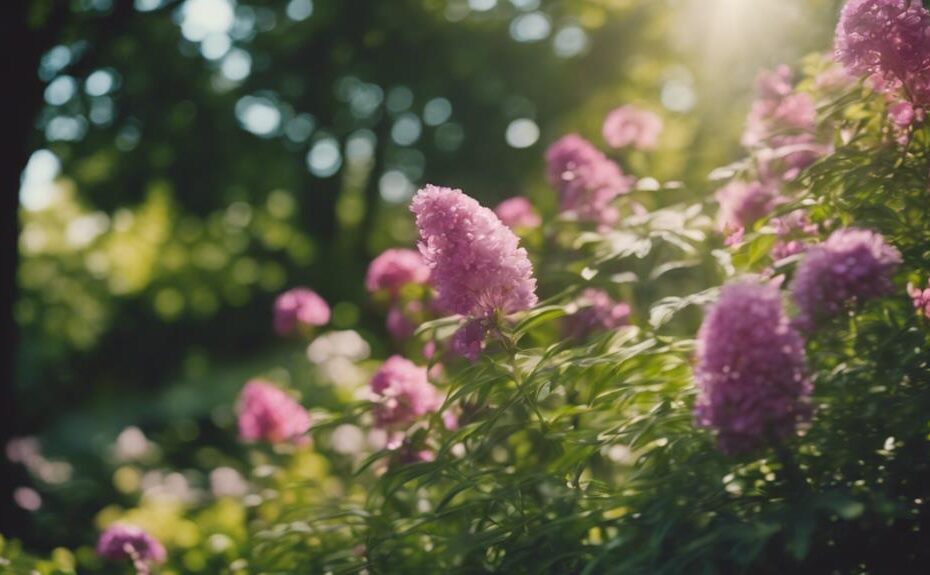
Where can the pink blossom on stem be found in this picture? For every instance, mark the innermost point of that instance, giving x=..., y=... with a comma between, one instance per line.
x=598, y=312
x=751, y=370
x=631, y=126
x=517, y=213
x=587, y=181
x=394, y=269
x=404, y=392
x=742, y=203
x=920, y=298
x=299, y=307
x=476, y=263
x=887, y=41
x=468, y=340
x=853, y=265
x=120, y=541
x=266, y=412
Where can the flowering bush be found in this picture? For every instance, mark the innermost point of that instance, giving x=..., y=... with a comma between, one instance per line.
x=565, y=406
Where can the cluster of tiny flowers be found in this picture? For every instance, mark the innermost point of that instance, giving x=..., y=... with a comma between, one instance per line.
x=750, y=374
x=920, y=298
x=887, y=41
x=404, y=392
x=518, y=213
x=598, y=312
x=401, y=322
x=792, y=229
x=587, y=180
x=852, y=265
x=631, y=126
x=121, y=541
x=299, y=308
x=394, y=269
x=781, y=126
x=477, y=266
x=468, y=340
x=268, y=413
x=742, y=203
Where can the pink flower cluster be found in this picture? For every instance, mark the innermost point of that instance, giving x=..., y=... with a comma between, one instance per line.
x=887, y=41
x=517, y=213
x=299, y=308
x=793, y=230
x=742, y=203
x=120, y=541
x=468, y=340
x=853, y=265
x=631, y=126
x=920, y=298
x=781, y=125
x=750, y=375
x=598, y=312
x=268, y=413
x=404, y=391
x=394, y=269
x=477, y=266
x=587, y=181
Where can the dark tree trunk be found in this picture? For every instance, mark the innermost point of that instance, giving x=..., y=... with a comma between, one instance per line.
x=23, y=42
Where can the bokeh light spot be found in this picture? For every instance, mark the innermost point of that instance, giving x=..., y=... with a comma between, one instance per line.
x=522, y=133
x=299, y=10
x=437, y=111
x=324, y=158
x=530, y=27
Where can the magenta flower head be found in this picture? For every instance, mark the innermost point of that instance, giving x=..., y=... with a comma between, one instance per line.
x=404, y=392
x=299, y=308
x=587, y=181
x=887, y=41
x=853, y=265
x=750, y=375
x=630, y=126
x=517, y=213
x=468, y=340
x=267, y=413
x=120, y=541
x=742, y=203
x=598, y=312
x=475, y=260
x=920, y=298
x=394, y=269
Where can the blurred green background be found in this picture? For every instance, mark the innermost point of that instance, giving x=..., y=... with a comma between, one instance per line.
x=179, y=163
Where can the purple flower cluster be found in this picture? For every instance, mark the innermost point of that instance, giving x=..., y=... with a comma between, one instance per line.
x=631, y=126
x=299, y=308
x=742, y=203
x=852, y=265
x=781, y=125
x=475, y=260
x=587, y=181
x=468, y=340
x=402, y=319
x=394, y=269
x=887, y=41
x=750, y=375
x=268, y=413
x=404, y=392
x=793, y=230
x=518, y=212
x=920, y=298
x=120, y=541
x=598, y=312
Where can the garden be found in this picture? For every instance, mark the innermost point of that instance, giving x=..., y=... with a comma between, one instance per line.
x=469, y=286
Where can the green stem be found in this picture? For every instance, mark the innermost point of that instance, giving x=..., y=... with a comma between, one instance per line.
x=791, y=469
x=518, y=380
